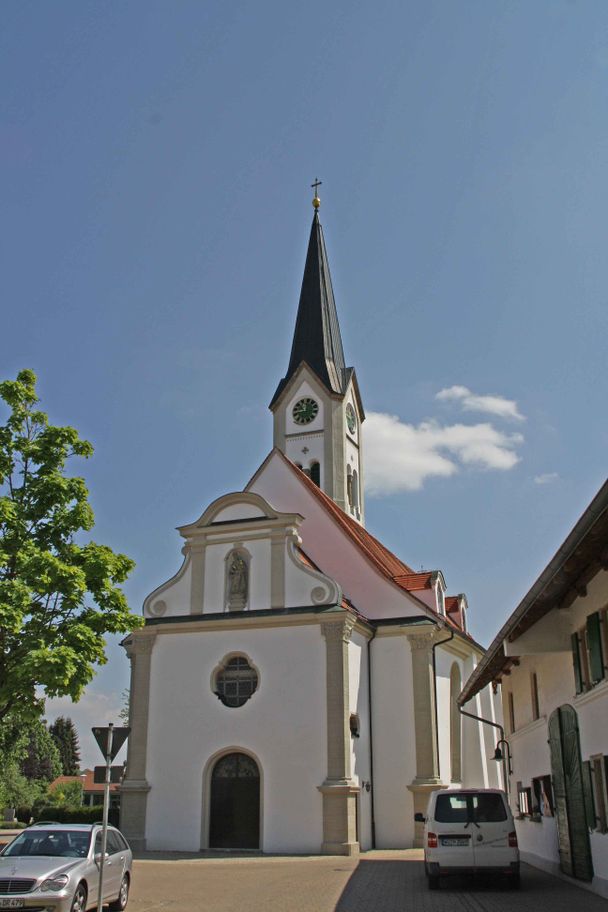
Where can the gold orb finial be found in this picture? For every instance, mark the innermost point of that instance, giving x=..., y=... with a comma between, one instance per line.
x=316, y=201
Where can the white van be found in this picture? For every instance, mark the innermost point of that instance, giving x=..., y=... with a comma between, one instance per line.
x=468, y=831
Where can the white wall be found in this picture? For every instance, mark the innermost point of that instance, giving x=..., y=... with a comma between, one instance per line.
x=394, y=741
x=284, y=730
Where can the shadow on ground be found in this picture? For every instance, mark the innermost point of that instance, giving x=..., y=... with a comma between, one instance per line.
x=401, y=886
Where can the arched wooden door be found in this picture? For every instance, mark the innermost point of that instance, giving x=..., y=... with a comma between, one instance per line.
x=567, y=772
x=234, y=821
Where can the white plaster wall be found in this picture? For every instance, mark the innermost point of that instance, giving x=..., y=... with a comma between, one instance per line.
x=287, y=733
x=238, y=511
x=443, y=663
x=304, y=390
x=259, y=574
x=331, y=549
x=359, y=704
x=177, y=594
x=394, y=741
x=314, y=443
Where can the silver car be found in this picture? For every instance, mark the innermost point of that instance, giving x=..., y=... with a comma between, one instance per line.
x=54, y=867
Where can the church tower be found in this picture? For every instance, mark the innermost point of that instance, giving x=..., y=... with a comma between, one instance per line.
x=317, y=407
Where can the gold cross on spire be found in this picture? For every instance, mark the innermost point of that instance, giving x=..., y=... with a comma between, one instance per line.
x=316, y=201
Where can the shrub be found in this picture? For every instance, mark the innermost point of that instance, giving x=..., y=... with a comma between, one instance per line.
x=77, y=815
x=12, y=825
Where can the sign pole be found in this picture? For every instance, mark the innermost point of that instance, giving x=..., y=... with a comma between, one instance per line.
x=106, y=808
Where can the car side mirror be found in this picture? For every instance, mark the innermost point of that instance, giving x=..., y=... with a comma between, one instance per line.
x=419, y=818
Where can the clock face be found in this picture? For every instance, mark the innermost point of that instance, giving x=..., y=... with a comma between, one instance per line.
x=351, y=418
x=305, y=411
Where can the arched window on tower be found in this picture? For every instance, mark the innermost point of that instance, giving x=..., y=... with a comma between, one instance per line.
x=315, y=473
x=356, y=492
x=349, y=486
x=455, y=725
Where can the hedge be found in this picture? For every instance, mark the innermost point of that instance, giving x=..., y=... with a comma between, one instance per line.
x=77, y=815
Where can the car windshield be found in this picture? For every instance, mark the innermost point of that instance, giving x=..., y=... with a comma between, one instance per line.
x=485, y=807
x=62, y=843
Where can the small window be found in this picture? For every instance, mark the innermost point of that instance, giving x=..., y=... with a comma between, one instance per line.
x=511, y=712
x=315, y=473
x=236, y=681
x=542, y=796
x=354, y=725
x=594, y=648
x=535, y=701
x=524, y=799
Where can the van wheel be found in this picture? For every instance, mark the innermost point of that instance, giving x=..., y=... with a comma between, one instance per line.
x=433, y=881
x=514, y=881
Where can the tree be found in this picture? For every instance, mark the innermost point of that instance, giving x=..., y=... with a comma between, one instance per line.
x=42, y=759
x=66, y=794
x=65, y=736
x=59, y=594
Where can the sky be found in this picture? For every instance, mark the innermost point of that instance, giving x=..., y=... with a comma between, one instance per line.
x=156, y=161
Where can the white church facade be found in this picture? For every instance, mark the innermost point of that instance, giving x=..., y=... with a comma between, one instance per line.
x=294, y=687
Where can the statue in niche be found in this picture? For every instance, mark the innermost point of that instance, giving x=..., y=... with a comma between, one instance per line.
x=237, y=582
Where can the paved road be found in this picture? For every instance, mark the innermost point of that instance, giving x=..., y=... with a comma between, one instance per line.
x=377, y=882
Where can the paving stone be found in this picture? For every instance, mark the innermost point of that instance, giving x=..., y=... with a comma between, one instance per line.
x=375, y=882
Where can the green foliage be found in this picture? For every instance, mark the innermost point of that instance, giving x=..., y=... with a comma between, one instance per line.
x=42, y=759
x=16, y=790
x=66, y=738
x=125, y=710
x=13, y=825
x=58, y=596
x=66, y=794
x=76, y=815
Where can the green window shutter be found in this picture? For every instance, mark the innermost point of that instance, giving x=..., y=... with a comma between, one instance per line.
x=594, y=640
x=576, y=659
x=588, y=795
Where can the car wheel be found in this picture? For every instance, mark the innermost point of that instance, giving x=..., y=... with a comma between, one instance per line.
x=79, y=903
x=123, y=896
x=433, y=881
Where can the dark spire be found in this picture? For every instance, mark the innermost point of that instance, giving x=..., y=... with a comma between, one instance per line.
x=317, y=339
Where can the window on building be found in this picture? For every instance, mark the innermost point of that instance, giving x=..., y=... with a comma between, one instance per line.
x=542, y=795
x=356, y=491
x=594, y=648
x=588, y=652
x=535, y=700
x=315, y=473
x=349, y=486
x=598, y=788
x=524, y=799
x=235, y=681
x=511, y=707
x=588, y=795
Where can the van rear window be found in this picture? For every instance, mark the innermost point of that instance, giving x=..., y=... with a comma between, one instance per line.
x=451, y=809
x=489, y=808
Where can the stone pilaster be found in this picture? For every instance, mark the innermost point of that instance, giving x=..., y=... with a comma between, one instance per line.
x=197, y=578
x=277, y=570
x=339, y=792
x=134, y=789
x=427, y=755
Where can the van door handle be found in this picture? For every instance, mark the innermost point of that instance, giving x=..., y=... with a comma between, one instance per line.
x=479, y=838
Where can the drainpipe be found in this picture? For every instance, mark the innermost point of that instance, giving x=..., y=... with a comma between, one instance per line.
x=502, y=737
x=435, y=645
x=371, y=736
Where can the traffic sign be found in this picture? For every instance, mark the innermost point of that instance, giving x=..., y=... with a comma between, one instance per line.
x=119, y=736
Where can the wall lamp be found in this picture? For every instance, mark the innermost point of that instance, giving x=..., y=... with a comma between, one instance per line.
x=499, y=755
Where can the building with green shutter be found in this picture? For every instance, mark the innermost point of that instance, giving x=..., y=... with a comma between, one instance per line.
x=551, y=661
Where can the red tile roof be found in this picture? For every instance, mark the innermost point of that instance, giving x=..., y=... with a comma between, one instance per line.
x=413, y=581
x=87, y=782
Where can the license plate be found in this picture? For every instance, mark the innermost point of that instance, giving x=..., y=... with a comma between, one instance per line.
x=12, y=903
x=455, y=842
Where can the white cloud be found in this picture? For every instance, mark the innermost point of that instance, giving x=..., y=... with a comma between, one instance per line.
x=546, y=478
x=93, y=708
x=400, y=457
x=490, y=405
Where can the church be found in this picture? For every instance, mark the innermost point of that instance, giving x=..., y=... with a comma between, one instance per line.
x=294, y=687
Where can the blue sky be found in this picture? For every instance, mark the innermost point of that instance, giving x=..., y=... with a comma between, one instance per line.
x=155, y=161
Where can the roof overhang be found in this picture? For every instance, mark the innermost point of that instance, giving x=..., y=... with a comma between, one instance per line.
x=581, y=556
